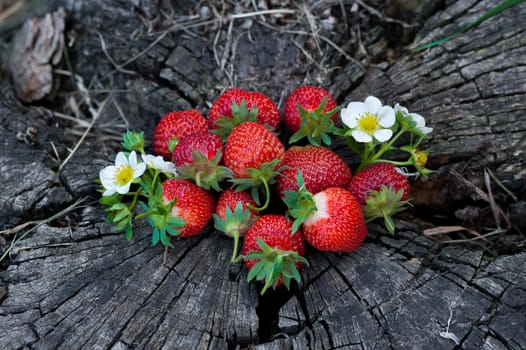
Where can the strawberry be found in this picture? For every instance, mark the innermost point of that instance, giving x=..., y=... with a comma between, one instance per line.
x=373, y=177
x=192, y=204
x=206, y=143
x=173, y=126
x=232, y=215
x=222, y=108
x=382, y=190
x=198, y=156
x=272, y=254
x=321, y=168
x=255, y=156
x=332, y=220
x=310, y=112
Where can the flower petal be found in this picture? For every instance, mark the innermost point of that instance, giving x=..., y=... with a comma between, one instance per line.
x=361, y=136
x=107, y=176
x=132, y=159
x=169, y=167
x=351, y=113
x=109, y=192
x=386, y=116
x=426, y=130
x=383, y=135
x=121, y=160
x=418, y=119
x=372, y=104
x=402, y=109
x=139, y=170
x=124, y=189
x=356, y=108
x=148, y=159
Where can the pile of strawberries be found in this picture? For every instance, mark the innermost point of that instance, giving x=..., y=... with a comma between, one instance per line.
x=234, y=167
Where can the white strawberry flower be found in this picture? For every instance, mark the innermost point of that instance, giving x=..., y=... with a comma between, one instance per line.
x=158, y=162
x=118, y=177
x=417, y=118
x=369, y=119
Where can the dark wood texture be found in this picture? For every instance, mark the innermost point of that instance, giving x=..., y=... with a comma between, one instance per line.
x=74, y=284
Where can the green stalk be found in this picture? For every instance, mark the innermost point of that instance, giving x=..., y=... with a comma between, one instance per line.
x=134, y=200
x=381, y=151
x=235, y=236
x=267, y=193
x=490, y=13
x=146, y=213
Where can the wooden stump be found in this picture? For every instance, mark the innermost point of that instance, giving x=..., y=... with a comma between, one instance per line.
x=72, y=283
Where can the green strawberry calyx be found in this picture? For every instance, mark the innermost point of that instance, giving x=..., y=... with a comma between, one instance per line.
x=384, y=204
x=273, y=263
x=163, y=222
x=300, y=203
x=206, y=173
x=240, y=114
x=235, y=225
x=316, y=125
x=262, y=177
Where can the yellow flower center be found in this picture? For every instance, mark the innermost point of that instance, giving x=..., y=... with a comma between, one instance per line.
x=368, y=123
x=420, y=158
x=124, y=175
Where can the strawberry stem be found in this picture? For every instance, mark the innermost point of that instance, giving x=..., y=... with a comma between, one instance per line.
x=235, y=224
x=235, y=236
x=267, y=194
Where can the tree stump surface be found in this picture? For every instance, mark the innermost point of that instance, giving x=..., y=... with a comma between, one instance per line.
x=72, y=283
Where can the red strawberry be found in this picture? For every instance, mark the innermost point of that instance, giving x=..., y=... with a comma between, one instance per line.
x=267, y=239
x=206, y=143
x=373, y=177
x=310, y=112
x=332, y=220
x=267, y=111
x=321, y=168
x=254, y=155
x=192, y=204
x=338, y=224
x=173, y=126
x=198, y=157
x=382, y=190
x=232, y=215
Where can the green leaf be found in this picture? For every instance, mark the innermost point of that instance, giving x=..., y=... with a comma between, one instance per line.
x=206, y=173
x=110, y=200
x=315, y=125
x=129, y=231
x=155, y=236
x=384, y=204
x=120, y=226
x=118, y=206
x=254, y=271
x=133, y=141
x=121, y=214
x=240, y=114
x=300, y=203
x=235, y=224
x=164, y=239
x=273, y=263
x=172, y=143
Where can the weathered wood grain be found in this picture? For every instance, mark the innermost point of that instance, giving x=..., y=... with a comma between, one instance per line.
x=74, y=284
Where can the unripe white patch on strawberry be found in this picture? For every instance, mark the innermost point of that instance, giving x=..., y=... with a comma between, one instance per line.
x=175, y=209
x=320, y=199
